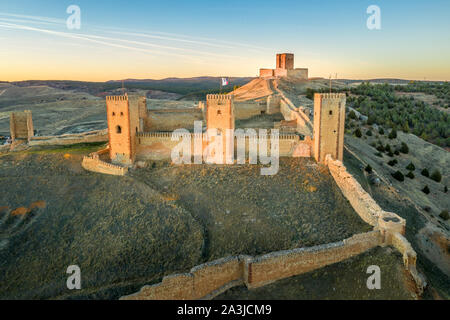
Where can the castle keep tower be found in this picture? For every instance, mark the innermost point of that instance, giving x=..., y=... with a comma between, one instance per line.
x=329, y=121
x=220, y=116
x=285, y=61
x=123, y=124
x=21, y=125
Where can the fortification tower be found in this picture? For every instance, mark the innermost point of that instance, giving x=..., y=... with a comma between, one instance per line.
x=285, y=61
x=142, y=106
x=123, y=124
x=220, y=116
x=329, y=122
x=21, y=125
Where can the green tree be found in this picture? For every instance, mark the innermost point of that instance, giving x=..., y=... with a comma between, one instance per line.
x=352, y=115
x=436, y=176
x=358, y=133
x=411, y=167
x=398, y=176
x=368, y=168
x=392, y=134
x=404, y=148
x=426, y=190
x=425, y=173
x=410, y=175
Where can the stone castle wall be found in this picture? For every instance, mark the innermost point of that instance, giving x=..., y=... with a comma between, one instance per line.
x=68, y=139
x=159, y=145
x=171, y=119
x=210, y=279
x=93, y=163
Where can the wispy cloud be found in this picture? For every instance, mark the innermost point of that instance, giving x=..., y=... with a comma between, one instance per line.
x=30, y=19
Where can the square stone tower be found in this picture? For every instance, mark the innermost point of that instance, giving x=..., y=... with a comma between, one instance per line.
x=285, y=61
x=21, y=125
x=329, y=124
x=123, y=125
x=220, y=116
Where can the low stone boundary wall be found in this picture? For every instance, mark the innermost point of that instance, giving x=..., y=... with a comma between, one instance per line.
x=67, y=139
x=360, y=200
x=93, y=163
x=391, y=226
x=279, y=265
x=210, y=279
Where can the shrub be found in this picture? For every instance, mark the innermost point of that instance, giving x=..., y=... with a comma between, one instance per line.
x=445, y=189
x=390, y=154
x=410, y=167
x=426, y=190
x=380, y=148
x=436, y=176
x=398, y=176
x=396, y=152
x=444, y=215
x=392, y=162
x=425, y=173
x=404, y=148
x=352, y=115
x=379, y=154
x=410, y=175
x=381, y=131
x=368, y=169
x=393, y=134
x=358, y=133
x=369, y=133
x=388, y=148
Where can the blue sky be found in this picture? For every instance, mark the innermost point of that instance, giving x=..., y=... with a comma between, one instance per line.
x=157, y=39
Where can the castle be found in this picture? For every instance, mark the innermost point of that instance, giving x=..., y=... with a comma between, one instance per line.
x=284, y=68
x=137, y=134
x=131, y=140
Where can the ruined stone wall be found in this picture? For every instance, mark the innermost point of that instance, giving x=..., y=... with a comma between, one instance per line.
x=21, y=125
x=200, y=282
x=283, y=264
x=248, y=109
x=299, y=73
x=266, y=73
x=94, y=164
x=68, y=139
x=360, y=200
x=210, y=279
x=273, y=104
x=171, y=119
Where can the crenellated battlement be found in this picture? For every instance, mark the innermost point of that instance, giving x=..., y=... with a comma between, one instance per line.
x=338, y=96
x=117, y=98
x=219, y=97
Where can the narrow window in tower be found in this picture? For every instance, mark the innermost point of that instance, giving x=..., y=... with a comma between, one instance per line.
x=219, y=112
x=114, y=113
x=118, y=129
x=331, y=112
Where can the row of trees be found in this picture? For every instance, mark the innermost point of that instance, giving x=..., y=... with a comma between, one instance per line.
x=383, y=107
